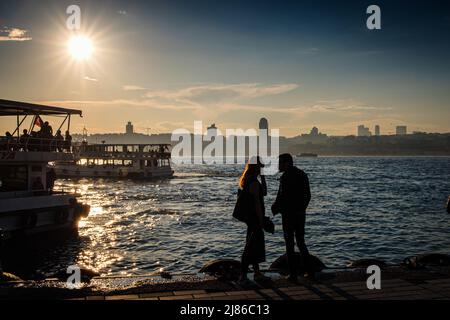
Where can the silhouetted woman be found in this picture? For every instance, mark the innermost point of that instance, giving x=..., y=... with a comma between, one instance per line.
x=254, y=251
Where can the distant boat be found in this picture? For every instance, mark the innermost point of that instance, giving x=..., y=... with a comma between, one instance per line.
x=307, y=155
x=129, y=161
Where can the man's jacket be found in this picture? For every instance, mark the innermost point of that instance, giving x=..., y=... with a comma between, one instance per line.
x=293, y=194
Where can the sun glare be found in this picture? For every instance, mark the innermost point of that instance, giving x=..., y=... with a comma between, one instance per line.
x=80, y=47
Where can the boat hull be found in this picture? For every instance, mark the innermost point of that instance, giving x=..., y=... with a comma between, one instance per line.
x=115, y=173
x=21, y=218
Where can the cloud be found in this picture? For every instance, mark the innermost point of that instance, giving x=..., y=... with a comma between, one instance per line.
x=14, y=34
x=122, y=12
x=90, y=79
x=344, y=105
x=131, y=87
x=142, y=104
x=216, y=93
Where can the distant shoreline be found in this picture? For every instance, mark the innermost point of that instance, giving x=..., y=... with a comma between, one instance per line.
x=378, y=156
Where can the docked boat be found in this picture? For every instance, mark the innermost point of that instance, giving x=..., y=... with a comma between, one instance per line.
x=117, y=161
x=307, y=155
x=28, y=204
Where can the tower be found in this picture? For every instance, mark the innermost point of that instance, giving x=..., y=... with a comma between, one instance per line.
x=264, y=124
x=377, y=130
x=129, y=128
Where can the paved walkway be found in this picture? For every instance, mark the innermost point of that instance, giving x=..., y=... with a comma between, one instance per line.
x=393, y=289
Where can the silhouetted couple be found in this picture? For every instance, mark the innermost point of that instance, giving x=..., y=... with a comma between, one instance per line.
x=292, y=200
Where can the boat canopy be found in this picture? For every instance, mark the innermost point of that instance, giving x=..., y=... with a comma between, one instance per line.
x=16, y=108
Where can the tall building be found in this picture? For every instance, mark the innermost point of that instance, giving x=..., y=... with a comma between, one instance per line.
x=314, y=136
x=264, y=124
x=401, y=130
x=263, y=148
x=129, y=128
x=377, y=130
x=363, y=131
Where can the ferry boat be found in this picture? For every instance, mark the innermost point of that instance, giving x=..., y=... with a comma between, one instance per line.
x=118, y=161
x=28, y=204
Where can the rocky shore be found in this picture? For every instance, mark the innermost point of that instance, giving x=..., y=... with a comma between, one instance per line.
x=431, y=282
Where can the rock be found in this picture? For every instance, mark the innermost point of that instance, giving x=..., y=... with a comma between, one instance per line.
x=427, y=259
x=165, y=275
x=8, y=277
x=224, y=269
x=86, y=275
x=364, y=263
x=281, y=265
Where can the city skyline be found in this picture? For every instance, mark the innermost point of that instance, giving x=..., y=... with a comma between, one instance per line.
x=264, y=124
x=165, y=65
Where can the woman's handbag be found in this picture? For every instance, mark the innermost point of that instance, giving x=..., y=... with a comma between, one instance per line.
x=243, y=206
x=268, y=225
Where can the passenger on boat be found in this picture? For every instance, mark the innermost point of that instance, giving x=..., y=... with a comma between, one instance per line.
x=59, y=141
x=47, y=129
x=162, y=149
x=34, y=143
x=68, y=141
x=46, y=136
x=9, y=141
x=24, y=139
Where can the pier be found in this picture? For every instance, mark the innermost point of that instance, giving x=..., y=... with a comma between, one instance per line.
x=398, y=283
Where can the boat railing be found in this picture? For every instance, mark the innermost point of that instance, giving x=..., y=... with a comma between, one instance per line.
x=11, y=145
x=123, y=155
x=121, y=151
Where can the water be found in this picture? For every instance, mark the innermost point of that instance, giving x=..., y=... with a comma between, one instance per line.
x=385, y=207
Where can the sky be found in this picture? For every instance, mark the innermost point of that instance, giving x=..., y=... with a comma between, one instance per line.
x=164, y=64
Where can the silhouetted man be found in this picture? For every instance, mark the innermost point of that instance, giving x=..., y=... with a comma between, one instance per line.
x=59, y=141
x=68, y=141
x=292, y=200
x=24, y=140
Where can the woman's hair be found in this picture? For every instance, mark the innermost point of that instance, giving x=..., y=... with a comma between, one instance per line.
x=251, y=169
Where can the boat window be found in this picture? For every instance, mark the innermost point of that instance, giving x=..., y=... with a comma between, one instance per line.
x=36, y=168
x=128, y=163
x=13, y=178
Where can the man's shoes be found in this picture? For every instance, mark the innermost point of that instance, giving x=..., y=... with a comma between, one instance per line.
x=309, y=275
x=262, y=278
x=244, y=281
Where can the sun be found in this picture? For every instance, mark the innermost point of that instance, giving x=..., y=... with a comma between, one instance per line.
x=80, y=47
